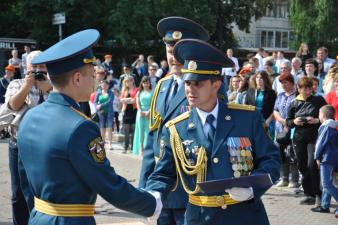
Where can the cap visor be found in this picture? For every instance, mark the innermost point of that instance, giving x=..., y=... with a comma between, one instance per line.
x=195, y=77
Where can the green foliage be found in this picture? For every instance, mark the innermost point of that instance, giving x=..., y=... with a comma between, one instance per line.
x=126, y=25
x=315, y=22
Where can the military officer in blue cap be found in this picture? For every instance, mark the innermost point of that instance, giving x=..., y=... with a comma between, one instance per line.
x=168, y=102
x=61, y=149
x=213, y=141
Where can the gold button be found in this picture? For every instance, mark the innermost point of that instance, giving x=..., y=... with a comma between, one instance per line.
x=215, y=160
x=220, y=201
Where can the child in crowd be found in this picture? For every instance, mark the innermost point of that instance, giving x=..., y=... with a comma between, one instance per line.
x=326, y=156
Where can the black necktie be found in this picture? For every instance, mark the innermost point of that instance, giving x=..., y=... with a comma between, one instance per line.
x=211, y=133
x=172, y=94
x=175, y=89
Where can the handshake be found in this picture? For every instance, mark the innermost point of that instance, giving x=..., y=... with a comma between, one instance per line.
x=158, y=208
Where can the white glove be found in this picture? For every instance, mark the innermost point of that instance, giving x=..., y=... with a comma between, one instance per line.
x=240, y=194
x=158, y=208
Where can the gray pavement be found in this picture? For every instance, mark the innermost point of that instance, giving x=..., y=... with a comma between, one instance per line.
x=281, y=204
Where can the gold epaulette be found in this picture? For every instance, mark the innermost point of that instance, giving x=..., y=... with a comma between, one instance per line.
x=155, y=117
x=81, y=113
x=178, y=119
x=241, y=107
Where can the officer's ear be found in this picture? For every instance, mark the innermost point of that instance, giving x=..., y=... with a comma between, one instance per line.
x=216, y=83
x=77, y=78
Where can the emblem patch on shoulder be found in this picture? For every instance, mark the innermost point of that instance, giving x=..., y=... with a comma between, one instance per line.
x=96, y=148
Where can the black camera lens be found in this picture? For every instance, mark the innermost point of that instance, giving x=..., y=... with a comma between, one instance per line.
x=39, y=75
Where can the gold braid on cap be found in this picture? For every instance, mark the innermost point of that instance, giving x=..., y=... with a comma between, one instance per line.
x=181, y=162
x=203, y=72
x=92, y=60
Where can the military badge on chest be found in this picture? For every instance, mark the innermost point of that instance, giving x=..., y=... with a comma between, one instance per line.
x=191, y=151
x=241, y=157
x=96, y=148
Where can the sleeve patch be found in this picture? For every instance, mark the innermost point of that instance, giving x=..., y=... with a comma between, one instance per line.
x=96, y=149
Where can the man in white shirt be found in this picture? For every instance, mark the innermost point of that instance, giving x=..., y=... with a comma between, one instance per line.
x=260, y=56
x=322, y=54
x=230, y=71
x=296, y=70
x=280, y=60
x=285, y=67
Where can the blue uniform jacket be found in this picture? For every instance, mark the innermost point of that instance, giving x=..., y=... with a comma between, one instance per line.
x=55, y=141
x=327, y=143
x=178, y=198
x=231, y=123
x=178, y=105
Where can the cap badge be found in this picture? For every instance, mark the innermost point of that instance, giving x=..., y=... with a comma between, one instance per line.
x=177, y=35
x=192, y=65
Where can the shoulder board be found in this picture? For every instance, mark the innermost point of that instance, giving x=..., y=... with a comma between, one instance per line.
x=81, y=113
x=241, y=107
x=178, y=119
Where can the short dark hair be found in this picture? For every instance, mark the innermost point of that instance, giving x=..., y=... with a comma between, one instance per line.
x=311, y=61
x=315, y=79
x=269, y=63
x=328, y=111
x=61, y=80
x=286, y=77
x=216, y=78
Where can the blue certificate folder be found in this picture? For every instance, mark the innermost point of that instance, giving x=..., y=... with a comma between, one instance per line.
x=255, y=181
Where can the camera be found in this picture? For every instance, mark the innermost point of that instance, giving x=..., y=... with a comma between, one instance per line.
x=39, y=75
x=303, y=119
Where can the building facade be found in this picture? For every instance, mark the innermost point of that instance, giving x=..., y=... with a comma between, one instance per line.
x=271, y=32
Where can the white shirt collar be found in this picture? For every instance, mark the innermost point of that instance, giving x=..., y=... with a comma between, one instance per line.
x=203, y=115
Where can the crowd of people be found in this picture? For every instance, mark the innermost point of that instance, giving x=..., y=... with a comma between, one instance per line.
x=290, y=95
x=127, y=98
x=296, y=97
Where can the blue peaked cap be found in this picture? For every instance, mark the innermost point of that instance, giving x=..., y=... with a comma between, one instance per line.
x=173, y=29
x=69, y=53
x=200, y=60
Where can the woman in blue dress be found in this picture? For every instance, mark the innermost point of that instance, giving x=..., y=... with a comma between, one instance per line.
x=143, y=100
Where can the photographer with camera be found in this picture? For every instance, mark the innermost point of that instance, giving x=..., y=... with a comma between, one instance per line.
x=303, y=116
x=21, y=95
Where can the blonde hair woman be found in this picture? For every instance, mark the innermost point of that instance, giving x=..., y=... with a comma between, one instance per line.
x=328, y=81
x=129, y=109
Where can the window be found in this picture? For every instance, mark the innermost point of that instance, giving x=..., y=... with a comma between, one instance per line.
x=270, y=39
x=285, y=40
x=278, y=40
x=274, y=39
x=278, y=10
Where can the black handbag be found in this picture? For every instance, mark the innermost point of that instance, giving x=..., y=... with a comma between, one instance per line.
x=283, y=138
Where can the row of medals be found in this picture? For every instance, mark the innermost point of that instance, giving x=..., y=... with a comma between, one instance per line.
x=241, y=159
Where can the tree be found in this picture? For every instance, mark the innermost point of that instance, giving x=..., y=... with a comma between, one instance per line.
x=135, y=21
x=317, y=24
x=126, y=25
